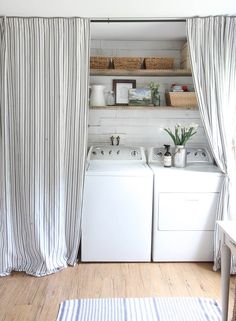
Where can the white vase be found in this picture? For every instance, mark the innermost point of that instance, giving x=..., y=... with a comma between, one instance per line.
x=180, y=156
x=97, y=97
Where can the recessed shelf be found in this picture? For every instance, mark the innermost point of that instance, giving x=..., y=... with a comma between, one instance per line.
x=141, y=72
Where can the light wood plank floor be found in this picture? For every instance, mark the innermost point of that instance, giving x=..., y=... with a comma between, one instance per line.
x=26, y=298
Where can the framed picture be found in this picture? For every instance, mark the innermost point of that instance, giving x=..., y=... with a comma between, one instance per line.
x=121, y=89
x=140, y=97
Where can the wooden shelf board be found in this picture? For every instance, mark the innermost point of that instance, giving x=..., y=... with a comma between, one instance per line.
x=141, y=72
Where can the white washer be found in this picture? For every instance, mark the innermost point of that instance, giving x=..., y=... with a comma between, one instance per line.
x=185, y=202
x=117, y=207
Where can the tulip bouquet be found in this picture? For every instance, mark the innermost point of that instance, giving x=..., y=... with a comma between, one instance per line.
x=181, y=134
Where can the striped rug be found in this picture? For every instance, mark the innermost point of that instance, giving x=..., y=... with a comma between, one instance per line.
x=142, y=309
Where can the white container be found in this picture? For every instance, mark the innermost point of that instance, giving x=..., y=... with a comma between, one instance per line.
x=97, y=98
x=180, y=156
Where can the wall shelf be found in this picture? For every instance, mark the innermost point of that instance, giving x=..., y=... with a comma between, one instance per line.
x=141, y=72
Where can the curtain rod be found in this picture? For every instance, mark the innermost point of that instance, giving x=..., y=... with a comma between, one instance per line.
x=108, y=20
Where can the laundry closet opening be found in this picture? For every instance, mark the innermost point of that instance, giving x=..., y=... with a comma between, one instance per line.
x=138, y=125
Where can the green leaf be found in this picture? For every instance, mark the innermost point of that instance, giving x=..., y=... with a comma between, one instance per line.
x=171, y=135
x=181, y=135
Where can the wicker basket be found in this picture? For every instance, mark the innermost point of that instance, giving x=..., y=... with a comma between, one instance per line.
x=181, y=99
x=185, y=64
x=159, y=63
x=185, y=58
x=99, y=62
x=185, y=51
x=129, y=63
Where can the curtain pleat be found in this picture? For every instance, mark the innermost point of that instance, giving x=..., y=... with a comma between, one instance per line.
x=44, y=65
x=212, y=44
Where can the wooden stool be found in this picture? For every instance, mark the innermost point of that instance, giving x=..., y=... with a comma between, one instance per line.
x=234, y=310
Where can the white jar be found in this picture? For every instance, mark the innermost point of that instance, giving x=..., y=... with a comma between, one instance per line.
x=97, y=98
x=180, y=156
x=110, y=98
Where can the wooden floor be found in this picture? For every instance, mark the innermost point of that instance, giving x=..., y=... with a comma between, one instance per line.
x=27, y=298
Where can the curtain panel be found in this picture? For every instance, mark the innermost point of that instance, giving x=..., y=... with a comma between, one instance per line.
x=44, y=65
x=212, y=45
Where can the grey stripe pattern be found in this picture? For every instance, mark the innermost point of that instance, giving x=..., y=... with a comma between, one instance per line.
x=140, y=309
x=212, y=44
x=44, y=65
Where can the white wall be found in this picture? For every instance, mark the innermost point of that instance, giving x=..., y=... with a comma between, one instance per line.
x=141, y=126
x=117, y=8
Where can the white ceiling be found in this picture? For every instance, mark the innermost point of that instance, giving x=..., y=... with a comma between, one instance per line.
x=138, y=31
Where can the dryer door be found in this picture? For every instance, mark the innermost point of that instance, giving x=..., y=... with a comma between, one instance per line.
x=187, y=211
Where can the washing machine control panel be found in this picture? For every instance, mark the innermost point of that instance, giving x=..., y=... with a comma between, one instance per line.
x=194, y=155
x=116, y=153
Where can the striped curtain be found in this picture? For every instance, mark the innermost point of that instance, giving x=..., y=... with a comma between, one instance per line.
x=43, y=106
x=212, y=44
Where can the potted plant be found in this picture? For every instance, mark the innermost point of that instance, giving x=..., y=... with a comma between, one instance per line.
x=155, y=93
x=180, y=136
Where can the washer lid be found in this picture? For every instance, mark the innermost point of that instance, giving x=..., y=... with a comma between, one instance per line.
x=192, y=168
x=118, y=169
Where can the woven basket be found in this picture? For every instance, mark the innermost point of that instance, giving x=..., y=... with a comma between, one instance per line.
x=185, y=51
x=99, y=62
x=159, y=63
x=185, y=64
x=129, y=63
x=181, y=99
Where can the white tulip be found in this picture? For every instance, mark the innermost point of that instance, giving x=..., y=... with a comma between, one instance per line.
x=193, y=125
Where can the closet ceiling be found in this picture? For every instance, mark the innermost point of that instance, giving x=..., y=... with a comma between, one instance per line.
x=138, y=31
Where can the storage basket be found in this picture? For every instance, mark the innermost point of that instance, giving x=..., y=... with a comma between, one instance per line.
x=129, y=63
x=185, y=51
x=185, y=64
x=159, y=63
x=99, y=62
x=185, y=59
x=181, y=99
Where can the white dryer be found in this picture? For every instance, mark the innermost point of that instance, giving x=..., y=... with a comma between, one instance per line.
x=185, y=203
x=117, y=206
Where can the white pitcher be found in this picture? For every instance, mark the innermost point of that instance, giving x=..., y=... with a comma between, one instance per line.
x=97, y=97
